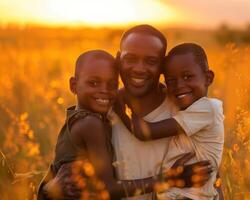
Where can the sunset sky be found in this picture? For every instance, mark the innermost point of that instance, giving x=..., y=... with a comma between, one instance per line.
x=188, y=13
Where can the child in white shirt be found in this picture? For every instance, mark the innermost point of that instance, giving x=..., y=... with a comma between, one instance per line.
x=197, y=126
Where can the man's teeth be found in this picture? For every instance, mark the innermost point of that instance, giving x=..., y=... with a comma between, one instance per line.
x=103, y=100
x=138, y=80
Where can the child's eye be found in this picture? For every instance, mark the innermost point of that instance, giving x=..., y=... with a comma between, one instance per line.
x=93, y=83
x=187, y=77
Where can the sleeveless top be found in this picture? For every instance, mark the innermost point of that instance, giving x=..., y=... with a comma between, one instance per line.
x=66, y=151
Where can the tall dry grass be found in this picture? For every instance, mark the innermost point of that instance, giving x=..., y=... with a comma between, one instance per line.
x=35, y=65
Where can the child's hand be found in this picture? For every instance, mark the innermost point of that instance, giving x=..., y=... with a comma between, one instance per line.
x=140, y=128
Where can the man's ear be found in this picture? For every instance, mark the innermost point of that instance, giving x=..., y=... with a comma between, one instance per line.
x=209, y=77
x=72, y=84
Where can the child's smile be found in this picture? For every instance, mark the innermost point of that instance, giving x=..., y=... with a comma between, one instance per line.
x=96, y=85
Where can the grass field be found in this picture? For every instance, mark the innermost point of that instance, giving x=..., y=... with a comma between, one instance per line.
x=35, y=65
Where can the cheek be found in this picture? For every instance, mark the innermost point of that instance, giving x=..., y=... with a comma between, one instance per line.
x=155, y=70
x=124, y=67
x=170, y=88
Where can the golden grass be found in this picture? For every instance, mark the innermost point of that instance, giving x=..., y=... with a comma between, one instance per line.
x=35, y=65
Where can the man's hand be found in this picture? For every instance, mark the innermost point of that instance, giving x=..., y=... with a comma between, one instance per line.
x=193, y=175
x=63, y=185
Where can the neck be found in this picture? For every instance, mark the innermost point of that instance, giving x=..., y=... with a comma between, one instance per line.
x=143, y=105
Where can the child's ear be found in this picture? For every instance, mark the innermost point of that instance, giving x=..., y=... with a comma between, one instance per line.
x=163, y=65
x=209, y=77
x=118, y=55
x=72, y=84
x=118, y=59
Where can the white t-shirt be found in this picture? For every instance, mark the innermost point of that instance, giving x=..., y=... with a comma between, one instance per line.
x=136, y=159
x=204, y=134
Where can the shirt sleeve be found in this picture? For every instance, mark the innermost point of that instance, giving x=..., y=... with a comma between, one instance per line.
x=196, y=117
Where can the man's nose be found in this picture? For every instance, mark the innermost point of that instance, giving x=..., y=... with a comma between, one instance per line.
x=139, y=67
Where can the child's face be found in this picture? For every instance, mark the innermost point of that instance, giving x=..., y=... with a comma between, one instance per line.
x=96, y=85
x=140, y=67
x=186, y=81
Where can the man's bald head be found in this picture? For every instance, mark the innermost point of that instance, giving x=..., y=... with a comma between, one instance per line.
x=145, y=29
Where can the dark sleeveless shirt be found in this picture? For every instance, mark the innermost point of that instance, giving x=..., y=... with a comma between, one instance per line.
x=66, y=151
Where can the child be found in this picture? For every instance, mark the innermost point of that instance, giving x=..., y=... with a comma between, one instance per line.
x=197, y=126
x=84, y=139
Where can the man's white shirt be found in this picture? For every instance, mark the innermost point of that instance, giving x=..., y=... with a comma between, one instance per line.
x=136, y=159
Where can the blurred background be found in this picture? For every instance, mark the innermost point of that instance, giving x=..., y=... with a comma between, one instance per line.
x=41, y=39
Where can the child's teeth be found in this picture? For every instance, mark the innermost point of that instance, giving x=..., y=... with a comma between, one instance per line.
x=181, y=96
x=103, y=100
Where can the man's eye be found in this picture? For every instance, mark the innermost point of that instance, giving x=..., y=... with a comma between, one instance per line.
x=152, y=61
x=130, y=59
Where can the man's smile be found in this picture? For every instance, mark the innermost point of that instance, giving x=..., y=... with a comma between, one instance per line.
x=138, y=82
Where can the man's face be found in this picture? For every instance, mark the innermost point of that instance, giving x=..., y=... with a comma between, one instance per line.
x=141, y=58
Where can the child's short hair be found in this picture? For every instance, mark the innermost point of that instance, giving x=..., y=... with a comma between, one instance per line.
x=146, y=29
x=196, y=50
x=96, y=54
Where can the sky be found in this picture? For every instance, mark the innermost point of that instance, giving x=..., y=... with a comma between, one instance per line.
x=174, y=13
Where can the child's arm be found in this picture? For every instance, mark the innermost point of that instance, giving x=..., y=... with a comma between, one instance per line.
x=144, y=130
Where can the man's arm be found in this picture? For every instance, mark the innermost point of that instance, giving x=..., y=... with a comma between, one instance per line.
x=60, y=186
x=64, y=186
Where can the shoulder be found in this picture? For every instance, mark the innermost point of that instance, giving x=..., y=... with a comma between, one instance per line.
x=217, y=107
x=89, y=126
x=203, y=104
x=215, y=103
x=207, y=108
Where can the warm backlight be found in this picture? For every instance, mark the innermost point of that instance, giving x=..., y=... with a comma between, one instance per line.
x=90, y=12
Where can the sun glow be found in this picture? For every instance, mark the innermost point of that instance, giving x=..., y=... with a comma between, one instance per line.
x=90, y=12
